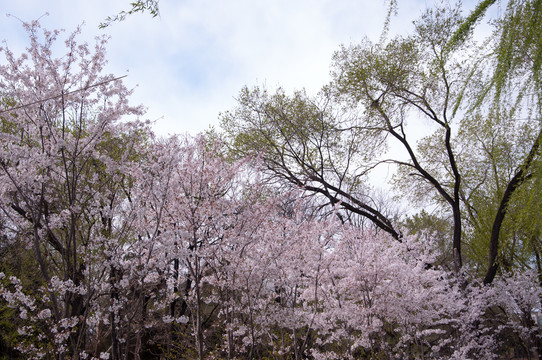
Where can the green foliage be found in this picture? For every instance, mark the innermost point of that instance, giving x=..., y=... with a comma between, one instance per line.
x=7, y=125
x=367, y=73
x=139, y=6
x=466, y=28
x=19, y=261
x=519, y=47
x=430, y=227
x=308, y=142
x=296, y=135
x=508, y=103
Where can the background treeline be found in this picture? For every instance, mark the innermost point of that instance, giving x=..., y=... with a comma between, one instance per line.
x=265, y=239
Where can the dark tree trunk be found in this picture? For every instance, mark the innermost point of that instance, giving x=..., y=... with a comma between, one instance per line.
x=519, y=178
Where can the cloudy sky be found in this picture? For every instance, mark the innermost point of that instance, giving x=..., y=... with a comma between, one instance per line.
x=190, y=63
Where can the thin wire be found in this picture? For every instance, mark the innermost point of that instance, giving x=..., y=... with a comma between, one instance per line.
x=63, y=94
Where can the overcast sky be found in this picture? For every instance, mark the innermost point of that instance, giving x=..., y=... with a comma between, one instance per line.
x=190, y=63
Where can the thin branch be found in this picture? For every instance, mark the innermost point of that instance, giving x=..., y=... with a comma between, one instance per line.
x=62, y=94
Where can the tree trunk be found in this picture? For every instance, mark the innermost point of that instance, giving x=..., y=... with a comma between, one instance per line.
x=115, y=345
x=519, y=178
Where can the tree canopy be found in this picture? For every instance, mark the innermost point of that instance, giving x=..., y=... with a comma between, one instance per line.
x=268, y=238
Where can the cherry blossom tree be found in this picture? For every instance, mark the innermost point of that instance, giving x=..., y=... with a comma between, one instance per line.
x=63, y=169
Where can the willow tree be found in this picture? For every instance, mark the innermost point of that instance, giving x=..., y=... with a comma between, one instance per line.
x=504, y=126
x=518, y=76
